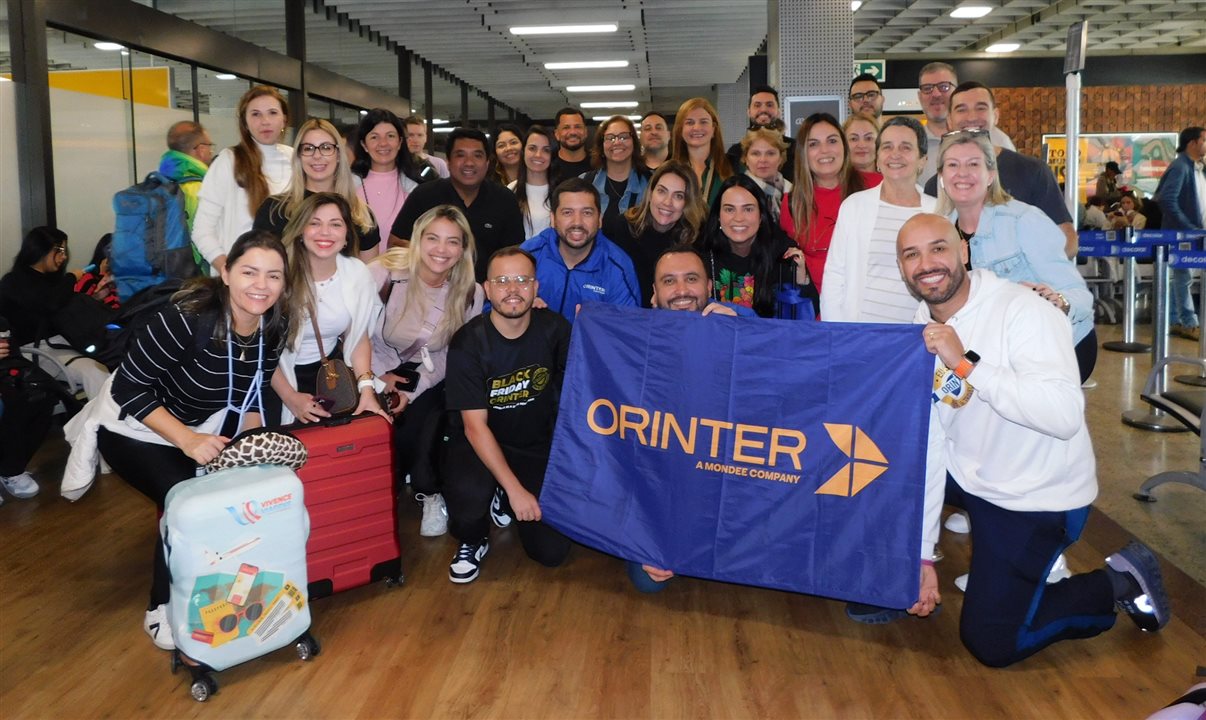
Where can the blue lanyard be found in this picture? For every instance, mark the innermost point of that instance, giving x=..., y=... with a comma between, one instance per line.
x=254, y=393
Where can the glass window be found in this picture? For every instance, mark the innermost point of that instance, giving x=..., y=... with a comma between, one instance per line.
x=10, y=199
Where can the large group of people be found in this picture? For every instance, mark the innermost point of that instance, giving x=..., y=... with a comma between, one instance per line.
x=449, y=288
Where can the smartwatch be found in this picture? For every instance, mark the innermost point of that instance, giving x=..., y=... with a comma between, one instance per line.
x=966, y=364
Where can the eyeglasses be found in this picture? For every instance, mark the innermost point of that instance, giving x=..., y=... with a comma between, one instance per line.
x=617, y=137
x=869, y=95
x=206, y=145
x=60, y=250
x=325, y=150
x=942, y=87
x=522, y=281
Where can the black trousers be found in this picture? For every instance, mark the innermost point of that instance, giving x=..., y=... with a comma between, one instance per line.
x=24, y=422
x=1086, y=354
x=152, y=470
x=469, y=487
x=415, y=440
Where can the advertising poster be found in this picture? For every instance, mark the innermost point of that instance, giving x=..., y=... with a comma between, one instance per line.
x=1142, y=157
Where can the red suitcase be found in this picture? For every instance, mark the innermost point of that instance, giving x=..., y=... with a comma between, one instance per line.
x=349, y=491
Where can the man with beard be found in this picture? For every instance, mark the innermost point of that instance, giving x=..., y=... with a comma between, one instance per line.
x=867, y=97
x=505, y=369
x=681, y=282
x=572, y=159
x=655, y=140
x=576, y=263
x=491, y=209
x=935, y=83
x=1008, y=438
x=764, y=112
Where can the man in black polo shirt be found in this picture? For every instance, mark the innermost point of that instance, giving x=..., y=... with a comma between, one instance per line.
x=492, y=210
x=572, y=159
x=505, y=369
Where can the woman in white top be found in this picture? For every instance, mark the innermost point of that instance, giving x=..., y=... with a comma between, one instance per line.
x=532, y=187
x=327, y=282
x=241, y=177
x=388, y=171
x=429, y=293
x=862, y=282
x=319, y=165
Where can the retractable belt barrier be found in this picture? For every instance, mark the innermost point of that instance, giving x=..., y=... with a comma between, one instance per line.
x=1120, y=244
x=1161, y=242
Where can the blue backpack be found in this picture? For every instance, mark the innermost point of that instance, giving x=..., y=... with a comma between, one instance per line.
x=151, y=242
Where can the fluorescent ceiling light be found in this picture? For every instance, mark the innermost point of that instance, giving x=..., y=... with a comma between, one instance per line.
x=970, y=11
x=363, y=113
x=439, y=121
x=600, y=88
x=564, y=29
x=604, y=118
x=586, y=65
x=126, y=53
x=443, y=129
x=855, y=5
x=1002, y=48
x=108, y=46
x=226, y=76
x=611, y=104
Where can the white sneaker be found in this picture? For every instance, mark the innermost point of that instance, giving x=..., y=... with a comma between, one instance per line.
x=156, y=625
x=961, y=582
x=957, y=522
x=20, y=486
x=1089, y=384
x=435, y=515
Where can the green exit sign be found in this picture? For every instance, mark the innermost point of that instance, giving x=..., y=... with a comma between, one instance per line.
x=877, y=69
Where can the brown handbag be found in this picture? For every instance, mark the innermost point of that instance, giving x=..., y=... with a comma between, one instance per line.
x=335, y=387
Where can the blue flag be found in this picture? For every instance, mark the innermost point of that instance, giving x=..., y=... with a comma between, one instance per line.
x=775, y=453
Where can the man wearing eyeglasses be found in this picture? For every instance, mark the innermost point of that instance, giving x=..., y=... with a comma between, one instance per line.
x=866, y=97
x=576, y=263
x=935, y=83
x=505, y=369
x=190, y=151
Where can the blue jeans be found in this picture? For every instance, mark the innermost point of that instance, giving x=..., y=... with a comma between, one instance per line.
x=1009, y=612
x=1180, y=303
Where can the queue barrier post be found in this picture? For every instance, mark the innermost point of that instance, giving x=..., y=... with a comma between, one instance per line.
x=1130, y=252
x=1155, y=419
x=1193, y=260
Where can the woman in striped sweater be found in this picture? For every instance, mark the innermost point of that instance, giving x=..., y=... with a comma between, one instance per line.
x=193, y=378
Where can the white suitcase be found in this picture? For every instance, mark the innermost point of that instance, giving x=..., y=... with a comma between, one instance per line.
x=235, y=542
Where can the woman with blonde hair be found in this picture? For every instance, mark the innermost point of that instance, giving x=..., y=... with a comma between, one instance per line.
x=823, y=178
x=861, y=133
x=332, y=307
x=671, y=213
x=241, y=177
x=698, y=143
x=429, y=293
x=1016, y=241
x=320, y=165
x=763, y=152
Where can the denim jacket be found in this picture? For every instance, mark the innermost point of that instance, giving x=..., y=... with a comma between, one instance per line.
x=1018, y=242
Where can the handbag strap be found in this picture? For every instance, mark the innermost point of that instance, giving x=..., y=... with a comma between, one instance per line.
x=318, y=335
x=430, y=320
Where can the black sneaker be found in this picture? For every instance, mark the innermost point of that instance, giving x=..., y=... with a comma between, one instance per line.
x=499, y=514
x=468, y=562
x=1150, y=607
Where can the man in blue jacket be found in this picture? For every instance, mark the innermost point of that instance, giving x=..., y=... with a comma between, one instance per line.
x=575, y=263
x=1182, y=198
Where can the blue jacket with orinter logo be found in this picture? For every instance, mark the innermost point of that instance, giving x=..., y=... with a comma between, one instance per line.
x=606, y=275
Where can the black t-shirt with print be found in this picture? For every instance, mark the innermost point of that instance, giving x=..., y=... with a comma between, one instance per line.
x=517, y=381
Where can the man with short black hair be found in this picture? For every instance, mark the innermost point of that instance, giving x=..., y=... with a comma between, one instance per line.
x=974, y=107
x=572, y=159
x=576, y=263
x=1182, y=198
x=1107, y=183
x=655, y=139
x=866, y=97
x=1009, y=442
x=491, y=209
x=764, y=111
x=416, y=144
x=505, y=369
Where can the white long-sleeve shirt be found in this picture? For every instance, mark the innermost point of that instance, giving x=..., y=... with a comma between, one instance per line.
x=1021, y=441
x=222, y=211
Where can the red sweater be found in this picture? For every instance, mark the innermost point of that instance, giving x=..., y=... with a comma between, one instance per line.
x=814, y=241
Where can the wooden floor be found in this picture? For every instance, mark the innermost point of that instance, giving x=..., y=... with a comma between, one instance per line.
x=528, y=642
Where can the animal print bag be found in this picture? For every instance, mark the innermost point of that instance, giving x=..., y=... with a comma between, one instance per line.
x=261, y=446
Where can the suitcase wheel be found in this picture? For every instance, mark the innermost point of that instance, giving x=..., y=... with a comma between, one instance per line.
x=203, y=687
x=308, y=647
x=395, y=581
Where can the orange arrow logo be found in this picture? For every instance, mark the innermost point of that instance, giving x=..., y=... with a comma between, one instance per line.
x=868, y=462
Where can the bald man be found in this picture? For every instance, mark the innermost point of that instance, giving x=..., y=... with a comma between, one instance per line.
x=1008, y=436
